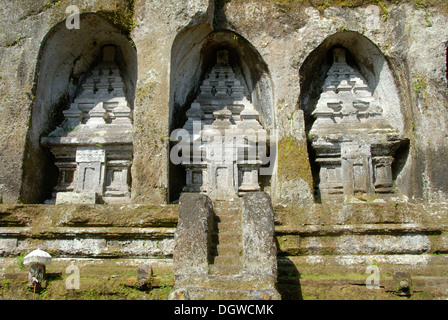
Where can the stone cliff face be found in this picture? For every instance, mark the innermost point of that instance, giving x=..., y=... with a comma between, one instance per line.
x=166, y=48
x=351, y=96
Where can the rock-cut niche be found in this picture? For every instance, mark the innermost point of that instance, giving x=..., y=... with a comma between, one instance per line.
x=225, y=122
x=83, y=115
x=353, y=130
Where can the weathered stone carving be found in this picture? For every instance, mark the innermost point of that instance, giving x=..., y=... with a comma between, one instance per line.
x=227, y=141
x=354, y=143
x=93, y=146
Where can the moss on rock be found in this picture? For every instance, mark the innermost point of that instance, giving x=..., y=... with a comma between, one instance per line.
x=293, y=162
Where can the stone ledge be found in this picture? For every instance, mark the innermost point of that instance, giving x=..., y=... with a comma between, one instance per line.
x=359, y=229
x=199, y=293
x=99, y=279
x=93, y=232
x=89, y=242
x=99, y=215
x=333, y=214
x=422, y=288
x=340, y=266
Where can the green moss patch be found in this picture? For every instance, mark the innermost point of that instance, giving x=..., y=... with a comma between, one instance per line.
x=45, y=216
x=122, y=16
x=99, y=280
x=293, y=162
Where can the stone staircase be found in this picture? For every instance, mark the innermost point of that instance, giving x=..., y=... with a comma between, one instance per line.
x=214, y=259
x=226, y=279
x=226, y=256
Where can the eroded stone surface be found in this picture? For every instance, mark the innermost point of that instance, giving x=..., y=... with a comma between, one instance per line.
x=192, y=240
x=258, y=237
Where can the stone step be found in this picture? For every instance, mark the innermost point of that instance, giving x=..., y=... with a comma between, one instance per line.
x=224, y=269
x=226, y=215
x=228, y=237
x=226, y=210
x=232, y=294
x=228, y=205
x=227, y=219
x=224, y=230
x=236, y=281
x=226, y=249
x=227, y=260
x=219, y=294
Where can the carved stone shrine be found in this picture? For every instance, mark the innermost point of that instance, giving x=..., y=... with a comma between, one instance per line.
x=354, y=143
x=93, y=145
x=227, y=141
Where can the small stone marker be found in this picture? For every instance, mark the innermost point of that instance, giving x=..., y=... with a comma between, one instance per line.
x=144, y=277
x=403, y=283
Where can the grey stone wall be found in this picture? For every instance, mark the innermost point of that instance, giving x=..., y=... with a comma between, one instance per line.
x=89, y=231
x=403, y=56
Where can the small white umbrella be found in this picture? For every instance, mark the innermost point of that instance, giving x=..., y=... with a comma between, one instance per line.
x=37, y=256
